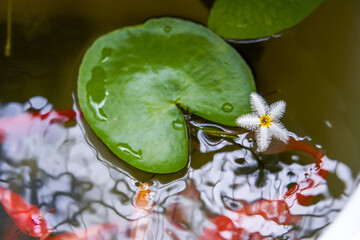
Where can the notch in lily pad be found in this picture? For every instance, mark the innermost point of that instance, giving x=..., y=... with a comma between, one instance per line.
x=132, y=80
x=249, y=19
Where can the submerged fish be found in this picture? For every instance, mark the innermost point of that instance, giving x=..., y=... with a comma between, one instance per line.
x=101, y=231
x=143, y=198
x=246, y=222
x=138, y=229
x=141, y=226
x=34, y=122
x=222, y=227
x=29, y=220
x=27, y=217
x=316, y=176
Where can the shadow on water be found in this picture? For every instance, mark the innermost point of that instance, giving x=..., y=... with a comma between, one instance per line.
x=208, y=3
x=105, y=155
x=39, y=70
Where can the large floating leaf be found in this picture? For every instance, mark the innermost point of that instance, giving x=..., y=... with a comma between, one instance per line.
x=132, y=79
x=247, y=19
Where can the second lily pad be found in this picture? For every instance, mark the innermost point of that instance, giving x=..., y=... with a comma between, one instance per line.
x=133, y=80
x=248, y=19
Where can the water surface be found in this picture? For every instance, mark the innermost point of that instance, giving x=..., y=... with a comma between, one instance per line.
x=64, y=166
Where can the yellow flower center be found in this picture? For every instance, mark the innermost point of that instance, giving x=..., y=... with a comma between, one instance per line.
x=265, y=120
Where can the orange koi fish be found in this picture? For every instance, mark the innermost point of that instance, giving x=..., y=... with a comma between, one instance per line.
x=139, y=228
x=27, y=217
x=143, y=200
x=143, y=206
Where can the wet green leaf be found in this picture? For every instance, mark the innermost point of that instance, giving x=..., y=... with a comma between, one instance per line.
x=249, y=19
x=132, y=79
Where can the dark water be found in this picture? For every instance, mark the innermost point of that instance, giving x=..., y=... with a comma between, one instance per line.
x=63, y=166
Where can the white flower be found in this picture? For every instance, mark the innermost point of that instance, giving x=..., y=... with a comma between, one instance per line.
x=265, y=121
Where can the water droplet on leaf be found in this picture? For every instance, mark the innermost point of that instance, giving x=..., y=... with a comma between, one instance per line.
x=167, y=29
x=126, y=149
x=178, y=124
x=227, y=107
x=105, y=54
x=97, y=99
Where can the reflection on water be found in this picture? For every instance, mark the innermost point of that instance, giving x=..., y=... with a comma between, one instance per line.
x=54, y=166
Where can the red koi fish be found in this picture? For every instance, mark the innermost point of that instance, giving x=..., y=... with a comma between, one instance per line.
x=27, y=217
x=28, y=123
x=314, y=178
x=222, y=227
x=294, y=145
x=102, y=231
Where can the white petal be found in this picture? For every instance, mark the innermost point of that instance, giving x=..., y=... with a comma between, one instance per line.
x=277, y=109
x=248, y=121
x=258, y=104
x=263, y=138
x=279, y=131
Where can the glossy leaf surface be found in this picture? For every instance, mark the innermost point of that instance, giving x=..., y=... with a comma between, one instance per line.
x=132, y=79
x=250, y=19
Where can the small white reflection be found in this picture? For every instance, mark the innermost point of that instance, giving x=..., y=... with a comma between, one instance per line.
x=328, y=124
x=295, y=157
x=38, y=102
x=226, y=234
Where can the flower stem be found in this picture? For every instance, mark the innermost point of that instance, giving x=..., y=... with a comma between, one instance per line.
x=219, y=133
x=8, y=31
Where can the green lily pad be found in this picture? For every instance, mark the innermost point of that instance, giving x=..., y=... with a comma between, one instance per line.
x=249, y=19
x=132, y=79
